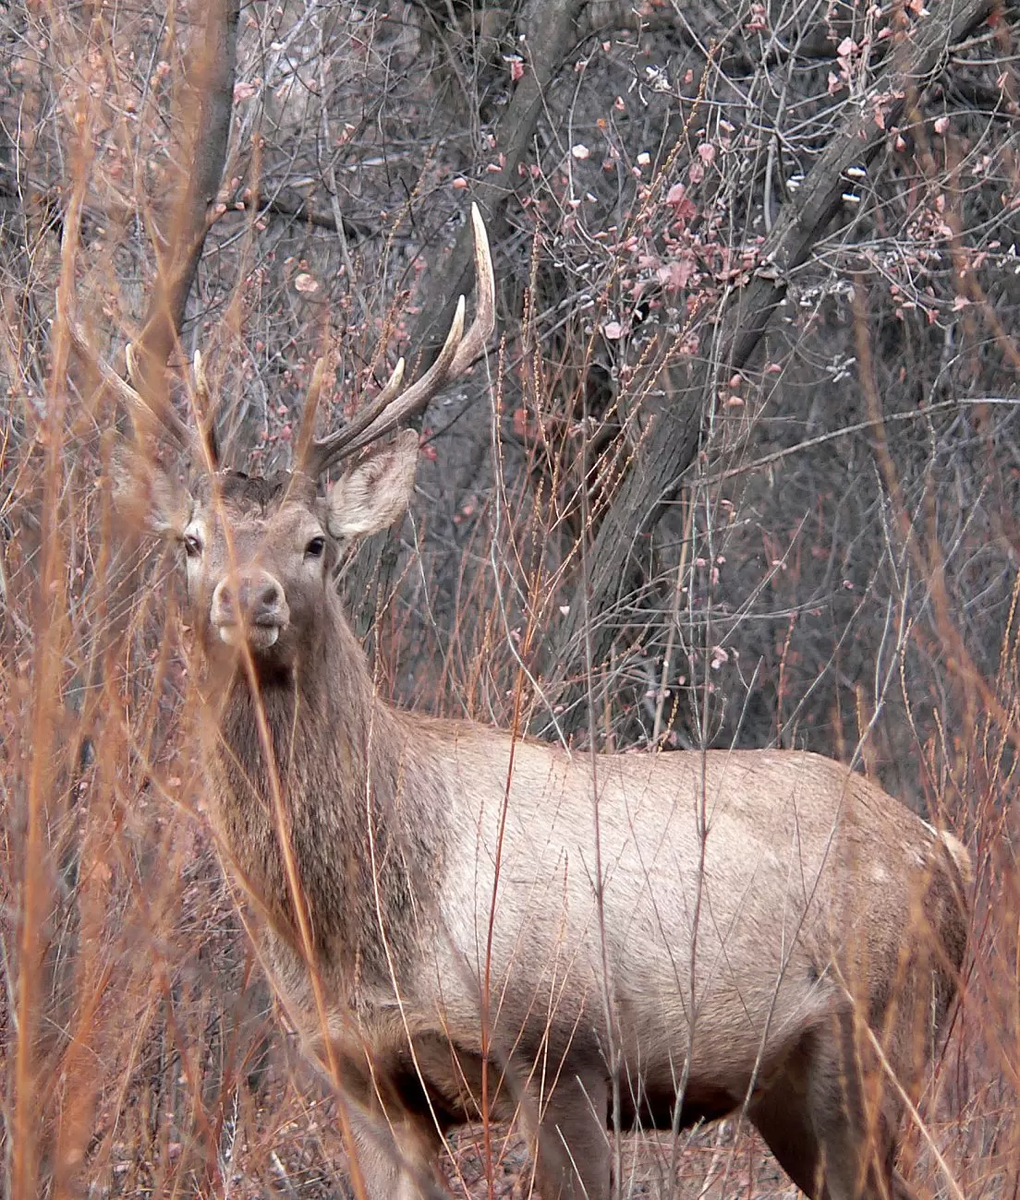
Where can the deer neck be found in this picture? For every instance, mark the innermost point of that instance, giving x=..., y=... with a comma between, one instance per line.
x=343, y=784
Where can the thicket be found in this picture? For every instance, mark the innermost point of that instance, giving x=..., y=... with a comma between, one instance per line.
x=742, y=469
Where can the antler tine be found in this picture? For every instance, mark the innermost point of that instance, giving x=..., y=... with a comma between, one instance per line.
x=401, y=405
x=306, y=429
x=205, y=414
x=133, y=401
x=389, y=407
x=201, y=383
x=320, y=453
x=183, y=437
x=482, y=326
x=458, y=353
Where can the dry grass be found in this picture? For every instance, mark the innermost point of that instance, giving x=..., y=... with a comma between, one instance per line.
x=140, y=1052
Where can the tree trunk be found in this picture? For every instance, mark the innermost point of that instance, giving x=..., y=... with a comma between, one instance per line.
x=204, y=130
x=550, y=33
x=668, y=447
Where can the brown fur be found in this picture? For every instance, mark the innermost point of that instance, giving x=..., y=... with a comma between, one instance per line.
x=757, y=911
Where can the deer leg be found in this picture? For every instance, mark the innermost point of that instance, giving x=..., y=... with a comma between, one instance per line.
x=815, y=1120
x=780, y=1117
x=858, y=1164
x=396, y=1154
x=819, y=1118
x=571, y=1149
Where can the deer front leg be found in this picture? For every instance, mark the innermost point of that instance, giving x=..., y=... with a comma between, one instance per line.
x=571, y=1147
x=396, y=1153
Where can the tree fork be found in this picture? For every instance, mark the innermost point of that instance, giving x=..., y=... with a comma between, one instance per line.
x=668, y=446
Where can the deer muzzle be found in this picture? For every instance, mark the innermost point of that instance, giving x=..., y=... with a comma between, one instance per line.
x=249, y=607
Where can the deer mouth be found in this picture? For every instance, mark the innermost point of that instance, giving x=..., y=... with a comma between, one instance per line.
x=259, y=636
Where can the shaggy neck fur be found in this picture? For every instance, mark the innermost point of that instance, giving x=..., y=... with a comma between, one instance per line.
x=362, y=812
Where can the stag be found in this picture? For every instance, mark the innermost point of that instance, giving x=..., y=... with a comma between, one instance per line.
x=468, y=925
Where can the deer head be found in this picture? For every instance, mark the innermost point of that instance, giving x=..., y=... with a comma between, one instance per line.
x=259, y=549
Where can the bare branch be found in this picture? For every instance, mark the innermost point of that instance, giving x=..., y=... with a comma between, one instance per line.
x=669, y=445
x=205, y=126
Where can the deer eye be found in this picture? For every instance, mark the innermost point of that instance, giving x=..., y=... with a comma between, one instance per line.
x=192, y=545
x=315, y=547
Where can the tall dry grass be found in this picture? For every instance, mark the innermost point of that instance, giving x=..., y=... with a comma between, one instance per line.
x=141, y=1053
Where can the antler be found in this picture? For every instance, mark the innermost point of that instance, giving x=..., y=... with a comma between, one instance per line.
x=133, y=401
x=394, y=405
x=198, y=446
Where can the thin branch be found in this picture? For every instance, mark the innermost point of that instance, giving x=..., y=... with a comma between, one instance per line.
x=670, y=443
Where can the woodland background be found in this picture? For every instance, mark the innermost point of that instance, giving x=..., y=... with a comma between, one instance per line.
x=742, y=469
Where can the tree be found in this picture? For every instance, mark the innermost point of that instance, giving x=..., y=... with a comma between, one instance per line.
x=741, y=469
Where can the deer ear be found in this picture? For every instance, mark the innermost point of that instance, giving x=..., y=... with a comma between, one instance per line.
x=144, y=494
x=376, y=492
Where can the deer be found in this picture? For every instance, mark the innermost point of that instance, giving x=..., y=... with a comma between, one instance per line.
x=466, y=924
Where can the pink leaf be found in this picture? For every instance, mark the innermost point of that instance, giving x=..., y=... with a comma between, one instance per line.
x=677, y=197
x=677, y=274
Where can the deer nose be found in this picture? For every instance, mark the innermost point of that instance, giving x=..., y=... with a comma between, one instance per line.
x=251, y=597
